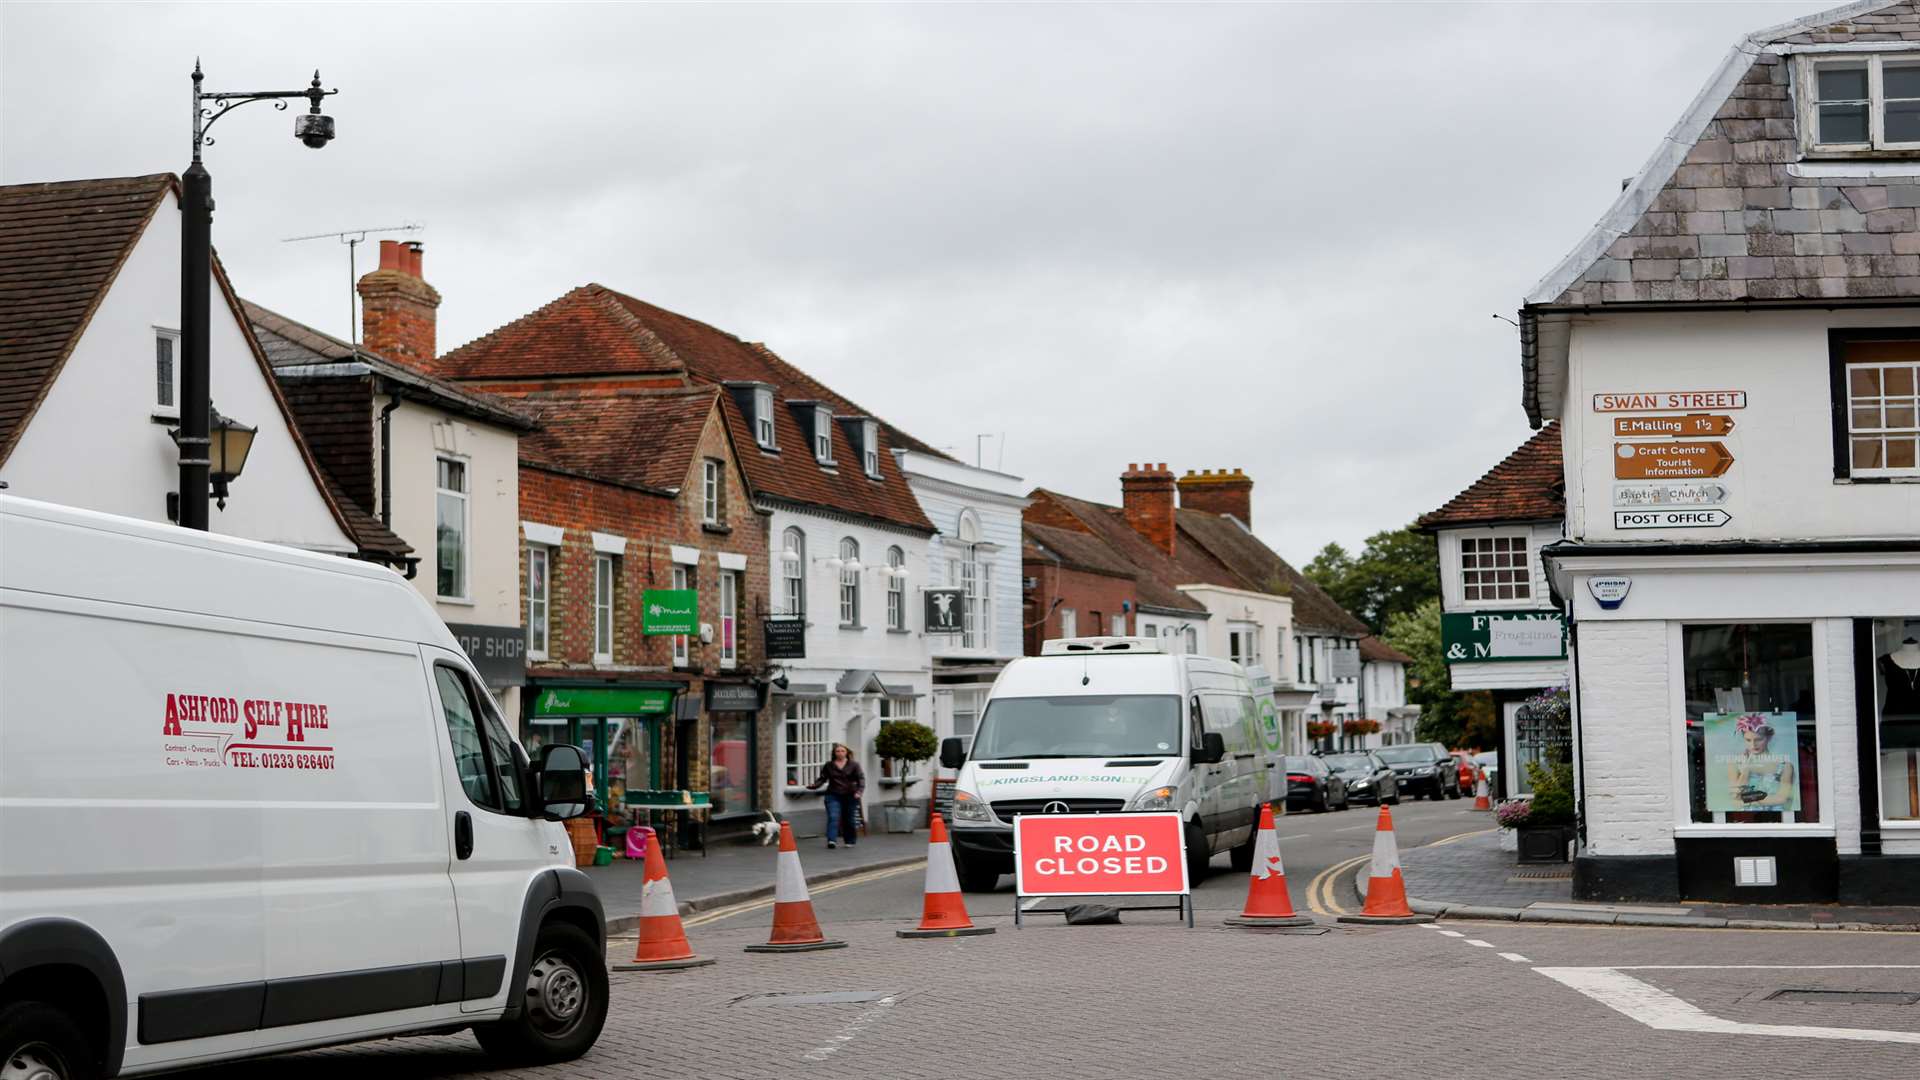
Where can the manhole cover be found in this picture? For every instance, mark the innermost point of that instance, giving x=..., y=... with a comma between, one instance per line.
x=1844, y=997
x=832, y=997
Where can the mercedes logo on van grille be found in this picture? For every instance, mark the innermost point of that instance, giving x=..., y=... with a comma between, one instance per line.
x=1056, y=807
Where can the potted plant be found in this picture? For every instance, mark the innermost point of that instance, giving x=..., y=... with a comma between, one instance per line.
x=1544, y=823
x=906, y=743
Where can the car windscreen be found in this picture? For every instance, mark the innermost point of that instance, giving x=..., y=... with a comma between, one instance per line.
x=1300, y=764
x=1404, y=755
x=1091, y=725
x=1348, y=763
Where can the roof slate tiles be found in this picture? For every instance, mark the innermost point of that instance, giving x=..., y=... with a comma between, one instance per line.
x=1528, y=485
x=640, y=438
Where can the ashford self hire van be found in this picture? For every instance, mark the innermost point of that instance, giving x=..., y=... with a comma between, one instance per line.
x=255, y=799
x=1108, y=725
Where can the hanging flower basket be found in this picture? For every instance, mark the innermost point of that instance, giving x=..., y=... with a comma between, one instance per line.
x=1360, y=727
x=1319, y=729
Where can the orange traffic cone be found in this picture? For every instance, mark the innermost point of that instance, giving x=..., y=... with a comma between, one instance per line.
x=1386, y=889
x=663, y=941
x=945, y=914
x=794, y=927
x=1267, y=901
x=1480, y=799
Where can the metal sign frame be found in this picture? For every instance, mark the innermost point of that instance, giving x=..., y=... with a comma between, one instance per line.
x=1185, y=896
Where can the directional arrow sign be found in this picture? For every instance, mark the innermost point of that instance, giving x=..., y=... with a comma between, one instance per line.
x=1670, y=460
x=1695, y=493
x=1711, y=518
x=1648, y=427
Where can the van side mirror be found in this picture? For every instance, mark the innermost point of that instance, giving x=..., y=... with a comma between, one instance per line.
x=560, y=779
x=1212, y=749
x=953, y=753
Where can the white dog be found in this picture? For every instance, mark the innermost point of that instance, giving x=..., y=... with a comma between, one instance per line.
x=769, y=830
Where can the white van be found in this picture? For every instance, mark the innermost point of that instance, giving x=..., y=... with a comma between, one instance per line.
x=1107, y=725
x=255, y=799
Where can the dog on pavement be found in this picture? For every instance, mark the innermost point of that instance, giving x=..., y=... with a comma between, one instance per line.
x=769, y=830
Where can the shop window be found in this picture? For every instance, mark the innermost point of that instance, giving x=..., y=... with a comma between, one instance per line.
x=731, y=760
x=1896, y=671
x=1494, y=568
x=682, y=643
x=805, y=720
x=1752, y=743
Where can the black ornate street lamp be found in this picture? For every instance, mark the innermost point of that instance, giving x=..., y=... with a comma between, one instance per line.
x=196, y=271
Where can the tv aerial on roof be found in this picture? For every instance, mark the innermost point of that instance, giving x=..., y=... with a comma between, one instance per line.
x=353, y=238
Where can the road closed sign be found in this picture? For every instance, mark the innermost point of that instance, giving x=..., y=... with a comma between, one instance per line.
x=1099, y=855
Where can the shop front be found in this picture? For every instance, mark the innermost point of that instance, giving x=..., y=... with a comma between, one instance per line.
x=625, y=730
x=1748, y=721
x=734, y=734
x=1519, y=657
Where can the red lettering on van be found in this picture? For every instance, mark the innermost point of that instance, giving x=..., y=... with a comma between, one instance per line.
x=296, y=728
x=172, y=726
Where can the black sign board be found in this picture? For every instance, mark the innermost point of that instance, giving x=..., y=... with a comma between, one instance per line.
x=945, y=610
x=786, y=639
x=733, y=697
x=499, y=653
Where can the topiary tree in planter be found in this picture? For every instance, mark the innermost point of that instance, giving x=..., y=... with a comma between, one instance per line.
x=908, y=743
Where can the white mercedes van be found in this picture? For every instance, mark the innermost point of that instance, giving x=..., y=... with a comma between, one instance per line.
x=1108, y=725
x=255, y=799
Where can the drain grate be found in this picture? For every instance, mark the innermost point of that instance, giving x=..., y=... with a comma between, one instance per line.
x=1844, y=997
x=834, y=997
x=1545, y=873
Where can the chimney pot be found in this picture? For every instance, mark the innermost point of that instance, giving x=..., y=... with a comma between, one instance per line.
x=1219, y=491
x=1147, y=503
x=389, y=254
x=398, y=309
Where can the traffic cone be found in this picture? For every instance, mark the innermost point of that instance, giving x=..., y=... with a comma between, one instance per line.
x=1267, y=901
x=794, y=927
x=1386, y=889
x=944, y=914
x=1480, y=799
x=663, y=941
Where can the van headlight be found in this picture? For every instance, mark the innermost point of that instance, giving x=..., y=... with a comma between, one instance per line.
x=970, y=807
x=1160, y=798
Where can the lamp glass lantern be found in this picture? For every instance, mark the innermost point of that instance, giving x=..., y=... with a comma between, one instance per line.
x=229, y=443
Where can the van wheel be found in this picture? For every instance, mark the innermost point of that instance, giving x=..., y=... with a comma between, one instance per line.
x=1198, y=854
x=39, y=1042
x=564, y=1004
x=975, y=875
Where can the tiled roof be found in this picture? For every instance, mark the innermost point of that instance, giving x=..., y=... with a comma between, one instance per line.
x=1260, y=569
x=1156, y=575
x=1528, y=485
x=292, y=344
x=641, y=438
x=61, y=245
x=596, y=333
x=1074, y=550
x=1373, y=650
x=1719, y=213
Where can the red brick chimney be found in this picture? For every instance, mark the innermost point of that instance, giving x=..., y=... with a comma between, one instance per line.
x=1220, y=492
x=1146, y=497
x=397, y=307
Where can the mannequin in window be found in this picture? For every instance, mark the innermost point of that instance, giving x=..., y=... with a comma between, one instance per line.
x=1901, y=670
x=1900, y=720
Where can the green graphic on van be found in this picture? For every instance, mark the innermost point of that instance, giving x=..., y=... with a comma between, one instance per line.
x=670, y=611
x=1269, y=724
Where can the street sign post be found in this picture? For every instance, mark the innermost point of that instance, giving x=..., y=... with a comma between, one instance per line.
x=1653, y=427
x=1710, y=518
x=1100, y=855
x=1670, y=460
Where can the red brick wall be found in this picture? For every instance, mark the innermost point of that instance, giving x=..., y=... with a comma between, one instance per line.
x=1219, y=492
x=1084, y=592
x=398, y=309
x=1146, y=498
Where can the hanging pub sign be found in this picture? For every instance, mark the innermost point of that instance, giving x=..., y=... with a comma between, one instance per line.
x=785, y=638
x=733, y=697
x=945, y=610
x=1490, y=636
x=670, y=611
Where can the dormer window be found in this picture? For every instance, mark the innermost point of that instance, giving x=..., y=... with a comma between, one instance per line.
x=763, y=418
x=1856, y=103
x=870, y=447
x=823, y=436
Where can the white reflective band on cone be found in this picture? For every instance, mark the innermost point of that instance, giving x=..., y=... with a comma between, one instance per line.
x=789, y=884
x=941, y=877
x=1266, y=856
x=656, y=898
x=1386, y=857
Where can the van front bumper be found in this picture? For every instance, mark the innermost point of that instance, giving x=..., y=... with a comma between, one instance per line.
x=989, y=845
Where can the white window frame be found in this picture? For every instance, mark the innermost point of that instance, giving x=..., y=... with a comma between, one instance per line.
x=603, y=601
x=710, y=491
x=729, y=618
x=823, y=435
x=539, y=607
x=1807, y=83
x=975, y=580
x=763, y=429
x=169, y=409
x=1118, y=624
x=849, y=584
x=1069, y=622
x=793, y=572
x=682, y=643
x=1248, y=635
x=1523, y=592
x=896, y=588
x=1884, y=432
x=870, y=436
x=806, y=739
x=465, y=498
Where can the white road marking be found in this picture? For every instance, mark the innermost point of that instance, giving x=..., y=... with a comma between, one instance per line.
x=1033, y=903
x=1478, y=944
x=1662, y=1011
x=1515, y=957
x=1451, y=933
x=853, y=1028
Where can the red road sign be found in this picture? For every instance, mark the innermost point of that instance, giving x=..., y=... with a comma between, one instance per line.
x=1099, y=855
x=1670, y=460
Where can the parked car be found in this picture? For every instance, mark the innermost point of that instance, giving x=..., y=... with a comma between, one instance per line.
x=1469, y=771
x=1426, y=769
x=1368, y=778
x=1489, y=762
x=1311, y=785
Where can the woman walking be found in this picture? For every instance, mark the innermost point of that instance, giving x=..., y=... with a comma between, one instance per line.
x=845, y=784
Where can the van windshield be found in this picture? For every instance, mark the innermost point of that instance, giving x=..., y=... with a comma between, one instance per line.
x=1115, y=725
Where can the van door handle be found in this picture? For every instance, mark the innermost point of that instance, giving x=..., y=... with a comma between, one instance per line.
x=462, y=834
x=1271, y=764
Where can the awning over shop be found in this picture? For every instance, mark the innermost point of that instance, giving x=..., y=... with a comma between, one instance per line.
x=602, y=701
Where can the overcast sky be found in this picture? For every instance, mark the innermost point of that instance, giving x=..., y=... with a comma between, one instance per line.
x=1271, y=237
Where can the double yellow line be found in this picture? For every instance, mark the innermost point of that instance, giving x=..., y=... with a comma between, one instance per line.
x=745, y=906
x=1322, y=890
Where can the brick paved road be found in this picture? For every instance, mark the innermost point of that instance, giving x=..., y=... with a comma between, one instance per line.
x=1150, y=999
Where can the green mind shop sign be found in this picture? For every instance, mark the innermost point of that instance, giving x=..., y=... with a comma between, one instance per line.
x=610, y=701
x=1471, y=637
x=670, y=611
